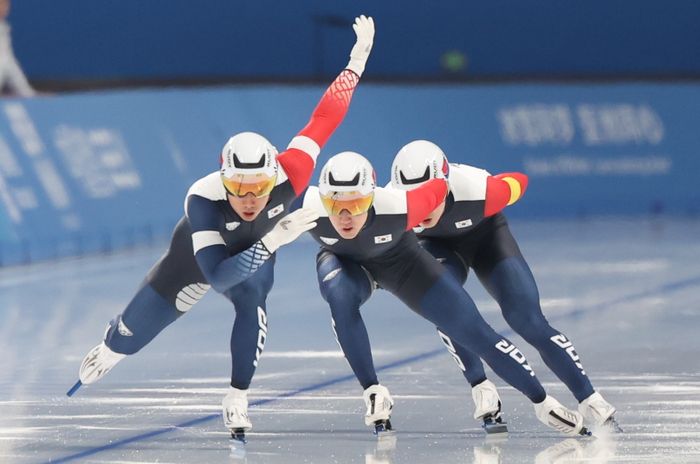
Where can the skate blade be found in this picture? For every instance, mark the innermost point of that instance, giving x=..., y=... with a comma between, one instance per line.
x=382, y=427
x=612, y=425
x=74, y=388
x=238, y=436
x=495, y=428
x=494, y=424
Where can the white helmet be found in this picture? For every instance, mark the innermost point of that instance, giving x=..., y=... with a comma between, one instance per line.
x=249, y=165
x=416, y=163
x=347, y=182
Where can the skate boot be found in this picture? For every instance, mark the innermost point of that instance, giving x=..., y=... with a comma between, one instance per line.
x=100, y=360
x=235, y=406
x=599, y=412
x=488, y=407
x=550, y=412
x=379, y=405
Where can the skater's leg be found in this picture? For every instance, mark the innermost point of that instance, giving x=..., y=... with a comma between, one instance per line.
x=345, y=285
x=170, y=289
x=503, y=357
x=250, y=326
x=248, y=338
x=469, y=363
x=504, y=272
x=512, y=285
x=507, y=277
x=487, y=402
x=173, y=285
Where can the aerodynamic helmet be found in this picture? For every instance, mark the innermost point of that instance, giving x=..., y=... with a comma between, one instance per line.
x=417, y=163
x=347, y=182
x=249, y=165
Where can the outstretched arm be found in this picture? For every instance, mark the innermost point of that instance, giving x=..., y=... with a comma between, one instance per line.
x=421, y=201
x=299, y=159
x=503, y=190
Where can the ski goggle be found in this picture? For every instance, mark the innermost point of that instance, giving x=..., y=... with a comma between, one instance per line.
x=354, y=202
x=240, y=185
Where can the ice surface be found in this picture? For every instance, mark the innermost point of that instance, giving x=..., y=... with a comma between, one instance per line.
x=626, y=293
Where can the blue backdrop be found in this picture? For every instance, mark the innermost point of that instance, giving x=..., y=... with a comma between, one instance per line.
x=128, y=39
x=99, y=171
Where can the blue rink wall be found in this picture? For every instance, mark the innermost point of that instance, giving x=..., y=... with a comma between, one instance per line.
x=137, y=39
x=103, y=171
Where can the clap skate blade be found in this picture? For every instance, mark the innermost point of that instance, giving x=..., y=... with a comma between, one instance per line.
x=382, y=426
x=239, y=436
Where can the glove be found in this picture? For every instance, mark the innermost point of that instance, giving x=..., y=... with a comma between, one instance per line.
x=289, y=228
x=364, y=29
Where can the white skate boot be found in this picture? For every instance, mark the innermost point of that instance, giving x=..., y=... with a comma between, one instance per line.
x=235, y=411
x=379, y=404
x=550, y=412
x=97, y=363
x=488, y=407
x=599, y=412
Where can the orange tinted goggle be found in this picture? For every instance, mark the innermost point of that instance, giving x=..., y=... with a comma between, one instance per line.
x=354, y=202
x=241, y=185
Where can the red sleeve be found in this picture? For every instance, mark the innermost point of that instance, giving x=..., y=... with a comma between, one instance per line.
x=423, y=200
x=503, y=190
x=298, y=166
x=330, y=111
x=299, y=159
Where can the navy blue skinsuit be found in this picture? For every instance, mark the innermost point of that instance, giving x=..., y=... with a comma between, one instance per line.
x=463, y=238
x=212, y=246
x=386, y=253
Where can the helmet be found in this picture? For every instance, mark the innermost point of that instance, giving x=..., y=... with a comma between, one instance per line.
x=248, y=165
x=347, y=183
x=417, y=163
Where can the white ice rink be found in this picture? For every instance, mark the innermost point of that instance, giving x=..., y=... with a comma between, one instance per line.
x=626, y=292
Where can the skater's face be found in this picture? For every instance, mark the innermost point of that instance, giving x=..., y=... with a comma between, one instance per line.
x=347, y=225
x=249, y=206
x=432, y=219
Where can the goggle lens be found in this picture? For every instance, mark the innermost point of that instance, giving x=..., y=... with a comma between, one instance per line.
x=354, y=202
x=240, y=185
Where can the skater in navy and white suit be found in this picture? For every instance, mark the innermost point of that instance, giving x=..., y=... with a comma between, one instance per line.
x=366, y=240
x=235, y=219
x=468, y=230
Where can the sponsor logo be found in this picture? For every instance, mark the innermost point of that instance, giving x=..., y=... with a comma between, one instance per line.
x=232, y=225
x=382, y=239
x=329, y=241
x=562, y=342
x=463, y=224
x=275, y=211
x=506, y=347
x=123, y=329
x=451, y=348
x=262, y=335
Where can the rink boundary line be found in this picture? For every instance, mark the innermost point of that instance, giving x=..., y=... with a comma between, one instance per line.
x=576, y=313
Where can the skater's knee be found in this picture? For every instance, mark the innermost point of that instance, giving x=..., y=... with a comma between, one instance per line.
x=339, y=288
x=249, y=291
x=529, y=325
